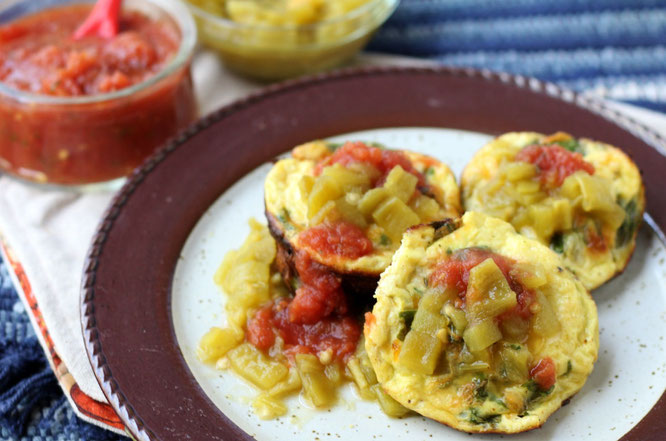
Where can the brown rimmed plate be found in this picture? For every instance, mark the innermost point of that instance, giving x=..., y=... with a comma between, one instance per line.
x=131, y=300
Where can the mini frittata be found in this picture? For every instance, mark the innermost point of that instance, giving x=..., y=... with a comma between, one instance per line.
x=583, y=198
x=479, y=327
x=347, y=207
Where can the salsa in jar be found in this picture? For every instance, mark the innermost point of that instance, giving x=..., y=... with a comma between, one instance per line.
x=90, y=110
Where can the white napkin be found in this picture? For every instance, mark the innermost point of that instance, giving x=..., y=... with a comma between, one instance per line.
x=50, y=230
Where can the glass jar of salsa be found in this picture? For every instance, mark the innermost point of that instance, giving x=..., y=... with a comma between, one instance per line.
x=91, y=110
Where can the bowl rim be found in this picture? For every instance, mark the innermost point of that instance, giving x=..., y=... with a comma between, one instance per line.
x=178, y=12
x=221, y=21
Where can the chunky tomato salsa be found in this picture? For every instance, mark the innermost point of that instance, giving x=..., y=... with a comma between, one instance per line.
x=78, y=143
x=39, y=55
x=382, y=161
x=316, y=320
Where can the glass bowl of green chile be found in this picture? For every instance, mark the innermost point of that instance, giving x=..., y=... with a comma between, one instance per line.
x=279, y=39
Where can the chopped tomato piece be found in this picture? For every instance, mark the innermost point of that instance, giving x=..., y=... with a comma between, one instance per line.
x=319, y=295
x=259, y=329
x=455, y=271
x=555, y=163
x=114, y=81
x=350, y=153
x=382, y=160
x=311, y=304
x=131, y=51
x=391, y=159
x=544, y=373
x=594, y=240
x=340, y=238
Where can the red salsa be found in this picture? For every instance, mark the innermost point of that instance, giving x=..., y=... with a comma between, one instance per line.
x=340, y=238
x=594, y=239
x=555, y=163
x=338, y=334
x=382, y=160
x=544, y=373
x=81, y=143
x=315, y=320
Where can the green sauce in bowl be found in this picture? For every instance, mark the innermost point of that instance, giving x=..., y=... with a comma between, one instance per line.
x=273, y=40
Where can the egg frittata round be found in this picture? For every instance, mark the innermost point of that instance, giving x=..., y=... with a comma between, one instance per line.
x=583, y=198
x=479, y=327
x=348, y=205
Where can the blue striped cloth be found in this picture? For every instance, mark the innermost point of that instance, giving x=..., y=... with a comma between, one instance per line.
x=613, y=48
x=32, y=406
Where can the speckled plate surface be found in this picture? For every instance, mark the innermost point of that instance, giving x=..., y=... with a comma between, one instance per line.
x=148, y=294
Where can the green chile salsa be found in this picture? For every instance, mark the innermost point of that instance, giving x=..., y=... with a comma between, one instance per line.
x=455, y=273
x=83, y=143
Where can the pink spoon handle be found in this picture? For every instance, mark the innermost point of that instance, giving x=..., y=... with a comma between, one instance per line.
x=102, y=21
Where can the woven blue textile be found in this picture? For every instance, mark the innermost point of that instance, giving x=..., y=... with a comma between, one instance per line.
x=615, y=48
x=32, y=406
